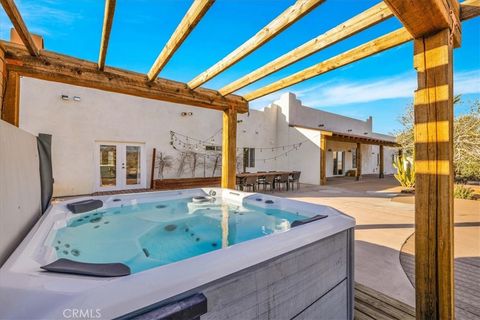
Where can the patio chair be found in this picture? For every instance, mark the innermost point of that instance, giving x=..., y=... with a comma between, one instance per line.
x=260, y=178
x=240, y=182
x=282, y=180
x=267, y=181
x=250, y=183
x=295, y=178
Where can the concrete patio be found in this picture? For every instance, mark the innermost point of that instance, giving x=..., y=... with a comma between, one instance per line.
x=385, y=220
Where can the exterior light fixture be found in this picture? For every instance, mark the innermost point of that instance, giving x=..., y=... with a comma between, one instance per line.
x=64, y=97
x=76, y=98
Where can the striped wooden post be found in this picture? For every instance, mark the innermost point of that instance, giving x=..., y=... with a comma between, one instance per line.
x=434, y=176
x=229, y=148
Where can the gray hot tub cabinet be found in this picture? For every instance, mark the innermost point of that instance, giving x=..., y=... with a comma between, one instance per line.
x=312, y=282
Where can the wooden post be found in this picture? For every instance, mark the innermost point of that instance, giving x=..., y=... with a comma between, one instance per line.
x=11, y=100
x=381, y=169
x=359, y=161
x=152, y=177
x=323, y=159
x=434, y=176
x=229, y=148
x=3, y=76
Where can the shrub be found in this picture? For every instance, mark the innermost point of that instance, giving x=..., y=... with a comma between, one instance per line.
x=405, y=172
x=463, y=192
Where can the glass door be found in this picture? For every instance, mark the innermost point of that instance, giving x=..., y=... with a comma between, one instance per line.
x=108, y=166
x=133, y=166
x=338, y=160
x=120, y=166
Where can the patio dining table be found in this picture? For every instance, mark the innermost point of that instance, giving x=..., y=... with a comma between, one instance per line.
x=261, y=174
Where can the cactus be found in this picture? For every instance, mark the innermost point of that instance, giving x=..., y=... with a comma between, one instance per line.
x=405, y=172
x=463, y=192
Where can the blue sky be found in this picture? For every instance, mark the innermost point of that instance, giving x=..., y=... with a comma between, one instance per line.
x=380, y=86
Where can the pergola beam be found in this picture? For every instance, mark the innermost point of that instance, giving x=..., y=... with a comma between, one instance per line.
x=380, y=44
x=276, y=26
x=470, y=9
x=366, y=19
x=16, y=18
x=424, y=17
x=193, y=16
x=363, y=141
x=61, y=68
x=107, y=28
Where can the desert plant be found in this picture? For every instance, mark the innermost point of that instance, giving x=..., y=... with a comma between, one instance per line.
x=216, y=163
x=466, y=140
x=463, y=192
x=164, y=162
x=405, y=172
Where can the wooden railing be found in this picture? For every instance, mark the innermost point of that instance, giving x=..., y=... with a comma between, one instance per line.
x=185, y=183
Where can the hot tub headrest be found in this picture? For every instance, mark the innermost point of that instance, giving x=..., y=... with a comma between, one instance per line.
x=84, y=205
x=297, y=223
x=88, y=269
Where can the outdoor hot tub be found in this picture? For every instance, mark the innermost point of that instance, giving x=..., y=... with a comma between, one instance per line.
x=214, y=253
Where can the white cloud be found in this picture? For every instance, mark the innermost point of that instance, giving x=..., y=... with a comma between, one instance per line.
x=467, y=82
x=44, y=17
x=341, y=92
x=396, y=87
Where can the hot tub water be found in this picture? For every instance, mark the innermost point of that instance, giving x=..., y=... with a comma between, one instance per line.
x=148, y=235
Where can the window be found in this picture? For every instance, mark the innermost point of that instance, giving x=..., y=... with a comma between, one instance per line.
x=354, y=158
x=213, y=148
x=249, y=157
x=394, y=158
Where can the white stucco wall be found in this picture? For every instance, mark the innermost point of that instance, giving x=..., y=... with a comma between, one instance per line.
x=76, y=127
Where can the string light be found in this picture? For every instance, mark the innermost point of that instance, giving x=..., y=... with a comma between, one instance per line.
x=186, y=144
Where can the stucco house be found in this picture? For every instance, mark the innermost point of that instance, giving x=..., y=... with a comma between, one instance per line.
x=105, y=141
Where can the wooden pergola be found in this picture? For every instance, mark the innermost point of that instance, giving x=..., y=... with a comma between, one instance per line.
x=433, y=25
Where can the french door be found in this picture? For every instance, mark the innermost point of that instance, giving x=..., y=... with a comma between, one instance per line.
x=119, y=166
x=338, y=162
